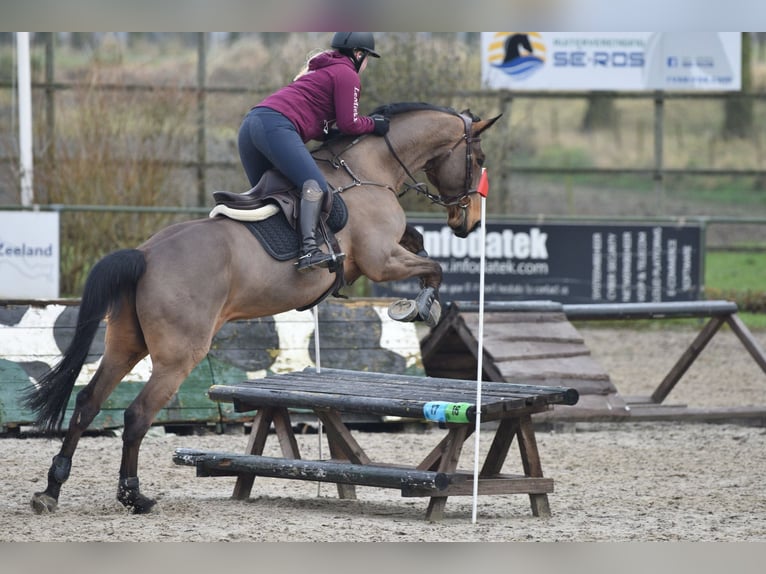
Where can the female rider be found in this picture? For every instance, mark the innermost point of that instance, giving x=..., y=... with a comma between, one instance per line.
x=273, y=134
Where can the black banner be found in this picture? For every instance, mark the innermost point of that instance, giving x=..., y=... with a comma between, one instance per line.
x=568, y=263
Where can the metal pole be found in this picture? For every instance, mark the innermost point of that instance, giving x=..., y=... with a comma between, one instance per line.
x=659, y=112
x=50, y=100
x=25, y=118
x=201, y=148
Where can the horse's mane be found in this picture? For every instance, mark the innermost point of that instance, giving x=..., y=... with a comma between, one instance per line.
x=395, y=108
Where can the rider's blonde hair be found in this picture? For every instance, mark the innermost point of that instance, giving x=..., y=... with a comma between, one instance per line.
x=304, y=70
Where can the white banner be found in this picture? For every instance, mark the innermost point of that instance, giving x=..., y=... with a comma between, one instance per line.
x=29, y=255
x=627, y=61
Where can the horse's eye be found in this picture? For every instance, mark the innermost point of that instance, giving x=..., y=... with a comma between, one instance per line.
x=480, y=161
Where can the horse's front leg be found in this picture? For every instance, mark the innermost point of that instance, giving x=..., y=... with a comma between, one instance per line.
x=404, y=264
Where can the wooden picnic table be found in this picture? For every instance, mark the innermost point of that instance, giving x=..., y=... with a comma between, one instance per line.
x=330, y=393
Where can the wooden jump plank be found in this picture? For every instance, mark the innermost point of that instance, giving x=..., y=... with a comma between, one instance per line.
x=373, y=393
x=249, y=398
x=412, y=392
x=662, y=310
x=353, y=380
x=498, y=484
x=222, y=463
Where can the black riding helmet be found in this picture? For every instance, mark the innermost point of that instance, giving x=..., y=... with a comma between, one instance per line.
x=347, y=42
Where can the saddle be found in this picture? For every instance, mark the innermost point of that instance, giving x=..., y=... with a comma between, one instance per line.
x=274, y=190
x=270, y=212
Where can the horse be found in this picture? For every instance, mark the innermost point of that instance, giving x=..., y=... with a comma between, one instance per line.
x=169, y=296
x=512, y=44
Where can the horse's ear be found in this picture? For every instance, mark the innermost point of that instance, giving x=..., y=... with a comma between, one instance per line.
x=479, y=127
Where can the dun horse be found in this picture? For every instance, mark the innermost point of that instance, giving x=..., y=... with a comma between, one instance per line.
x=168, y=297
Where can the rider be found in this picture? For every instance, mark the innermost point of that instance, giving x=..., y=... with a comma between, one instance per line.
x=275, y=131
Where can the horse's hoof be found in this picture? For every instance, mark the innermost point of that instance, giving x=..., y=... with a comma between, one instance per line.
x=403, y=310
x=143, y=505
x=434, y=314
x=43, y=503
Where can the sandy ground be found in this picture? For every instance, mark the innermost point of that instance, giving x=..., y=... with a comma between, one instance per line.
x=646, y=481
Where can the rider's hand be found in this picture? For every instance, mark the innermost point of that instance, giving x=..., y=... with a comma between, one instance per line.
x=381, y=125
x=331, y=133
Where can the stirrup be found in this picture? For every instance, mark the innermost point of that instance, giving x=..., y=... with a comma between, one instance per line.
x=313, y=260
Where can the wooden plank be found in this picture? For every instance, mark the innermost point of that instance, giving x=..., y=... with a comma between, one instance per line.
x=530, y=459
x=562, y=331
x=416, y=388
x=447, y=465
x=513, y=350
x=389, y=395
x=498, y=450
x=314, y=470
x=491, y=318
x=686, y=359
x=500, y=484
x=750, y=343
x=581, y=367
x=342, y=447
x=255, y=445
x=341, y=439
x=662, y=310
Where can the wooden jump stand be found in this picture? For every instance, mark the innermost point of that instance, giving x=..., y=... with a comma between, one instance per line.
x=518, y=333
x=332, y=392
x=717, y=312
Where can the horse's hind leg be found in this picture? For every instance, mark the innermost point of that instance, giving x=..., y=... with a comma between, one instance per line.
x=167, y=376
x=124, y=348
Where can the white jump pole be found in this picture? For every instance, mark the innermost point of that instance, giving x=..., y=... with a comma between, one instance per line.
x=318, y=362
x=25, y=118
x=483, y=189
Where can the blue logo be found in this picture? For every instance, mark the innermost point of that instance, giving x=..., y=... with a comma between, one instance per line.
x=518, y=54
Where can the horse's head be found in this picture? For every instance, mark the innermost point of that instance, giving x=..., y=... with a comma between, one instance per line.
x=443, y=143
x=456, y=174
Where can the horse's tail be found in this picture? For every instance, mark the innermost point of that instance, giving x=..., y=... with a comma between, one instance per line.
x=112, y=277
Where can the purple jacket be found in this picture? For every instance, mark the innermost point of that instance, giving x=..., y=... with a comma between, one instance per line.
x=328, y=92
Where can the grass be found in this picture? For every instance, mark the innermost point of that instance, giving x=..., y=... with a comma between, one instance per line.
x=739, y=276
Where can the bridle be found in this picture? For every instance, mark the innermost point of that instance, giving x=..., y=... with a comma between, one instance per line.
x=462, y=199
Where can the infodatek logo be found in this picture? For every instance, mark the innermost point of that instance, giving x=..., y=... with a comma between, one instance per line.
x=518, y=54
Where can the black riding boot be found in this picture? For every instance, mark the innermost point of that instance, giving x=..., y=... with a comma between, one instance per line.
x=308, y=219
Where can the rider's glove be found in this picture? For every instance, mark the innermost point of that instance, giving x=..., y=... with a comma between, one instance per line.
x=381, y=125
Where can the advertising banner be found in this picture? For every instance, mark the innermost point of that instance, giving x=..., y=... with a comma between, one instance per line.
x=568, y=263
x=619, y=61
x=29, y=255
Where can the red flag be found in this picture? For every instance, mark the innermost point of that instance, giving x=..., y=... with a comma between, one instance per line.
x=483, y=188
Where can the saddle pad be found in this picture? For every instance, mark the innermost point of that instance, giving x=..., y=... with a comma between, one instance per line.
x=281, y=241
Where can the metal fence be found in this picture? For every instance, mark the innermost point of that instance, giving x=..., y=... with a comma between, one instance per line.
x=653, y=131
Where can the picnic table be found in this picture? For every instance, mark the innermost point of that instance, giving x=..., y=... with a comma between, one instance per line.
x=329, y=393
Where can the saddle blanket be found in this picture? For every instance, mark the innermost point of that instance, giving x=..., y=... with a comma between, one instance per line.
x=281, y=241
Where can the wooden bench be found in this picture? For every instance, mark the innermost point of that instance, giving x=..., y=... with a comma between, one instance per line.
x=332, y=392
